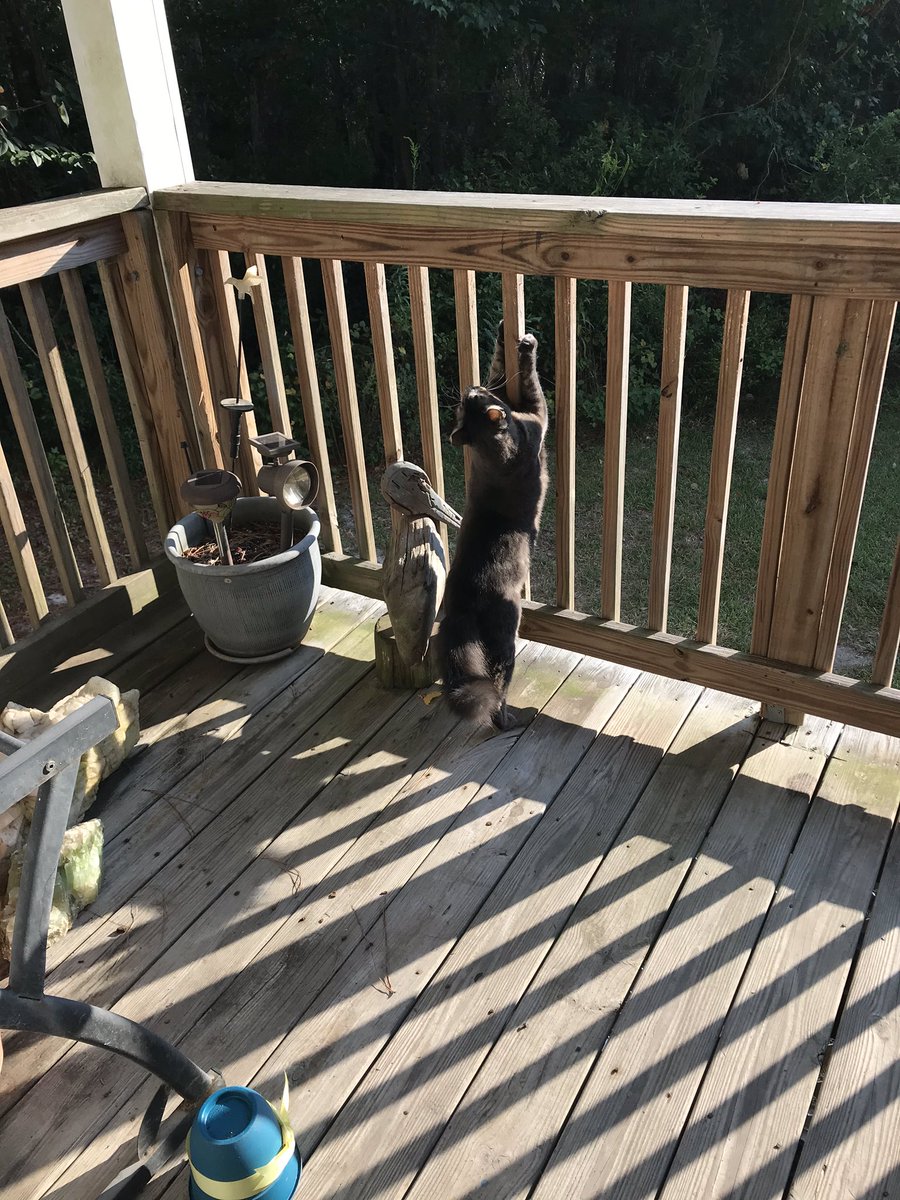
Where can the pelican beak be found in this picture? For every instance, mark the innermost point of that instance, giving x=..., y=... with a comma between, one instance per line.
x=441, y=510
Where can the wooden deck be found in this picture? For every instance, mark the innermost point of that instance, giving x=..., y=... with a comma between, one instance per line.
x=644, y=948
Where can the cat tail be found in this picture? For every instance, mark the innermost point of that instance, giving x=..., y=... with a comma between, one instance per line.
x=468, y=686
x=475, y=699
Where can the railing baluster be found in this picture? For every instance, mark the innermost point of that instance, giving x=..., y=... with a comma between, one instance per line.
x=859, y=451
x=61, y=400
x=779, y=471
x=383, y=350
x=268, y=346
x=565, y=311
x=734, y=336
x=200, y=419
x=158, y=477
x=308, y=382
x=466, y=306
x=7, y=637
x=513, y=292
x=37, y=466
x=345, y=381
x=885, y=662
x=513, y=289
x=614, y=438
x=92, y=366
x=834, y=362
x=672, y=376
x=20, y=547
x=218, y=321
x=426, y=378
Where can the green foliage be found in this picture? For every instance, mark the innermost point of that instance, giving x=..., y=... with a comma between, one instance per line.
x=702, y=98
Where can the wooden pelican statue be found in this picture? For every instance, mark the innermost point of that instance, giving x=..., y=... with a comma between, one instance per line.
x=414, y=571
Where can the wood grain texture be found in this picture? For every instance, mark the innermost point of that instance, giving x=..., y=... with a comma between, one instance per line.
x=615, y=433
x=833, y=697
x=513, y=295
x=466, y=307
x=851, y=1147
x=37, y=466
x=48, y=216
x=310, y=398
x=383, y=350
x=467, y=210
x=92, y=366
x=216, y=941
x=623, y=1130
x=859, y=451
x=168, y=404
x=353, y=1014
x=281, y=891
x=50, y=357
x=102, y=632
x=159, y=483
x=734, y=336
x=565, y=322
x=512, y=287
x=498, y=210
x=217, y=317
x=7, y=637
x=62, y=250
x=674, y=332
x=847, y=249
x=267, y=336
x=865, y=272
x=225, y=713
x=440, y=1046
x=835, y=355
x=426, y=852
x=495, y=1141
x=202, y=418
x=750, y=1111
x=780, y=469
x=426, y=384
x=345, y=382
x=20, y=549
x=889, y=635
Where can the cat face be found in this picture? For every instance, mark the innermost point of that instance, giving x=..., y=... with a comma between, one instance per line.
x=481, y=419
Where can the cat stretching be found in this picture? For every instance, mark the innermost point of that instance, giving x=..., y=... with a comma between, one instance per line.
x=504, y=498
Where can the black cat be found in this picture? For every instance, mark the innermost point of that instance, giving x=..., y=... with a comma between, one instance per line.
x=504, y=498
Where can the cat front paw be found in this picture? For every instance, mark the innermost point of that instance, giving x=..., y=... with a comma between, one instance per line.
x=527, y=345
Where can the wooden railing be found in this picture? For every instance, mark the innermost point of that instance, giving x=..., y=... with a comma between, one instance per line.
x=841, y=266
x=113, y=230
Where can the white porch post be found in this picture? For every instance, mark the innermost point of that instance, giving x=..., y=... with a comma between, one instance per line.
x=123, y=58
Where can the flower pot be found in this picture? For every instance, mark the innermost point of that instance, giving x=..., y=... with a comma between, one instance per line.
x=251, y=611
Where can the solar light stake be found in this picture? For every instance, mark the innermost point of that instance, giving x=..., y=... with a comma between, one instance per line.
x=212, y=494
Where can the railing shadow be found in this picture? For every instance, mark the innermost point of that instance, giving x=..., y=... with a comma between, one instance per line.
x=223, y=1002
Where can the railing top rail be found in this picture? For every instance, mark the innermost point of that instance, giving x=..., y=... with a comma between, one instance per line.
x=556, y=214
x=49, y=216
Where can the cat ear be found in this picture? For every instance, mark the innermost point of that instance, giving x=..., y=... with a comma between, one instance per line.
x=458, y=436
x=495, y=413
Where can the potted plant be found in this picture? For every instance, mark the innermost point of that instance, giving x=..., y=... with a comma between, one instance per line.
x=249, y=567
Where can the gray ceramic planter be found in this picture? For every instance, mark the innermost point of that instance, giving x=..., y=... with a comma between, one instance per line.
x=255, y=610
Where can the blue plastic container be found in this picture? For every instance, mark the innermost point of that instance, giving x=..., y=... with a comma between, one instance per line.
x=235, y=1133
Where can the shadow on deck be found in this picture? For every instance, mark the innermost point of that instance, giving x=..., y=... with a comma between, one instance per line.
x=644, y=947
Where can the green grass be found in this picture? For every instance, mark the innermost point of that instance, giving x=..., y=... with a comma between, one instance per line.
x=878, y=531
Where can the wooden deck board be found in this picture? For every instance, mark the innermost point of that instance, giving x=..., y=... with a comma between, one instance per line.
x=503, y=967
